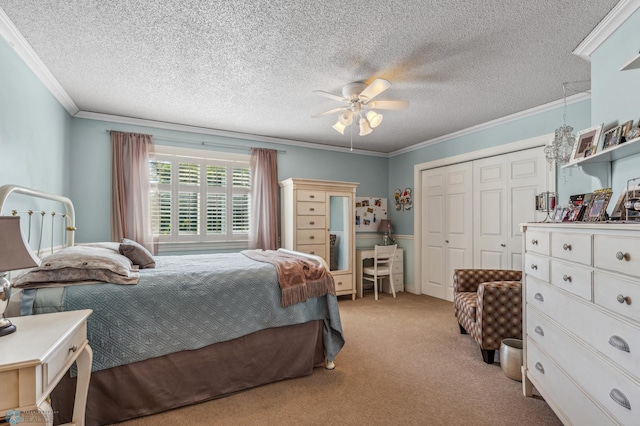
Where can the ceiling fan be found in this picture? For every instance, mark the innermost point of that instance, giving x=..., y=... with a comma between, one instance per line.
x=359, y=99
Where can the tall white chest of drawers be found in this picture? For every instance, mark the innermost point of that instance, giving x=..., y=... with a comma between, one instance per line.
x=581, y=318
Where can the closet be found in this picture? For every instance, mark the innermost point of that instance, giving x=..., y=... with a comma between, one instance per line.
x=318, y=217
x=471, y=214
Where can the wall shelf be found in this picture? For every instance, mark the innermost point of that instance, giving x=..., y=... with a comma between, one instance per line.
x=611, y=154
x=634, y=63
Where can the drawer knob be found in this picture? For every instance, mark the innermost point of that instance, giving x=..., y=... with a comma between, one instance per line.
x=534, y=242
x=539, y=330
x=539, y=297
x=313, y=252
x=539, y=367
x=503, y=245
x=623, y=256
x=312, y=196
x=619, y=343
x=312, y=209
x=620, y=398
x=73, y=348
x=566, y=246
x=311, y=237
x=312, y=223
x=446, y=241
x=566, y=278
x=534, y=266
x=623, y=299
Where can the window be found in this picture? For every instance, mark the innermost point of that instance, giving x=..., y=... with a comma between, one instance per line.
x=199, y=196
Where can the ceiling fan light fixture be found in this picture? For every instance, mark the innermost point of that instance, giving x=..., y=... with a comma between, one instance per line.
x=364, y=127
x=339, y=127
x=374, y=119
x=346, y=118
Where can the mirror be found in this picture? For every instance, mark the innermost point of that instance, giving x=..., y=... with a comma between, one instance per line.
x=339, y=232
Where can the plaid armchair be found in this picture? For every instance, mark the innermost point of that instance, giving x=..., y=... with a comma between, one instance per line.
x=488, y=306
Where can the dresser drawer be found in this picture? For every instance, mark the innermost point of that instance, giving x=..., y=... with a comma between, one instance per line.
x=398, y=257
x=573, y=247
x=315, y=249
x=307, y=195
x=537, y=242
x=572, y=278
x=617, y=253
x=310, y=222
x=344, y=283
x=606, y=334
x=311, y=236
x=563, y=395
x=55, y=362
x=537, y=266
x=309, y=208
x=617, y=294
x=397, y=268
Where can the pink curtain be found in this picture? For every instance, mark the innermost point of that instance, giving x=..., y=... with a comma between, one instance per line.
x=130, y=188
x=264, y=199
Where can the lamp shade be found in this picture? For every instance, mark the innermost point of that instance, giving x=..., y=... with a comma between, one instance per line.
x=385, y=226
x=374, y=119
x=14, y=249
x=346, y=118
x=364, y=127
x=339, y=127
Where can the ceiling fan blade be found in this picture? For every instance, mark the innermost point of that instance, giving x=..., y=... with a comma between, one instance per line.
x=331, y=111
x=388, y=105
x=330, y=95
x=376, y=87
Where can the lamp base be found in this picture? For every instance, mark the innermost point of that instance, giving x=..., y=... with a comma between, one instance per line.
x=6, y=327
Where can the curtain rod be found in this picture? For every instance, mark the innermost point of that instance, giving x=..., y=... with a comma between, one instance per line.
x=203, y=143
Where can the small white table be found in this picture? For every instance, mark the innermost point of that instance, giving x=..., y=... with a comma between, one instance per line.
x=34, y=359
x=363, y=254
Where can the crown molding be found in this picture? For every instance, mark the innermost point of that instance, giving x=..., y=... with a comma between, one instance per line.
x=214, y=132
x=22, y=47
x=609, y=24
x=497, y=122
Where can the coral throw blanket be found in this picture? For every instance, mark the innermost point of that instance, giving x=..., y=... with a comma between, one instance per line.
x=299, y=278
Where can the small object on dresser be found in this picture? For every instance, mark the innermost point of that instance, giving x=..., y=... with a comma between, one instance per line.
x=596, y=211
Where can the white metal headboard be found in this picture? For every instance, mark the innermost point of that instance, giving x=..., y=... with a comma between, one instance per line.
x=7, y=190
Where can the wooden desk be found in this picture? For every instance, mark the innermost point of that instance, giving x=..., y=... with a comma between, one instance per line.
x=363, y=254
x=36, y=357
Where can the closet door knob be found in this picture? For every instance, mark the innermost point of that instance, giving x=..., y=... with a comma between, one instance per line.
x=446, y=241
x=503, y=245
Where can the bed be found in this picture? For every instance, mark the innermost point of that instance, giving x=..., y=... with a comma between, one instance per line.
x=192, y=328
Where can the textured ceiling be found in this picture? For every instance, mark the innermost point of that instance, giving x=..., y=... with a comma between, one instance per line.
x=251, y=66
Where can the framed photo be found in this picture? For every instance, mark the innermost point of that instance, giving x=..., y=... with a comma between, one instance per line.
x=577, y=205
x=559, y=213
x=611, y=137
x=626, y=128
x=619, y=212
x=585, y=140
x=597, y=209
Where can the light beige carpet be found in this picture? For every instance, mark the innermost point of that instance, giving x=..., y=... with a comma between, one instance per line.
x=404, y=363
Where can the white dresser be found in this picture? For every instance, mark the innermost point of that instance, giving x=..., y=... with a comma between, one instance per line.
x=581, y=318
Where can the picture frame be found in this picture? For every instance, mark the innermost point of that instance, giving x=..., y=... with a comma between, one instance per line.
x=619, y=212
x=577, y=205
x=611, y=137
x=559, y=213
x=587, y=139
x=596, y=211
x=626, y=128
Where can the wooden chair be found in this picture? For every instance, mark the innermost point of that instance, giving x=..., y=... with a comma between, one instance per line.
x=382, y=268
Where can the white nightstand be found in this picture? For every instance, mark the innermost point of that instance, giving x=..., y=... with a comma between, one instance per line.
x=36, y=357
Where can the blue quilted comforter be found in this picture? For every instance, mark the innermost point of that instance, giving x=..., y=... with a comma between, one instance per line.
x=186, y=303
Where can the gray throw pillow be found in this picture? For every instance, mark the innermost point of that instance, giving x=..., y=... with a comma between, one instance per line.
x=137, y=253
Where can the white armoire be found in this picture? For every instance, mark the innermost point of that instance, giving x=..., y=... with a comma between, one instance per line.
x=318, y=217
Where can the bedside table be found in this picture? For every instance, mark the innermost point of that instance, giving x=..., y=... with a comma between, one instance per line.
x=36, y=357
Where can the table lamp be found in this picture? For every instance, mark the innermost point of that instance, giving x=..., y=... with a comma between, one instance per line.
x=14, y=254
x=385, y=228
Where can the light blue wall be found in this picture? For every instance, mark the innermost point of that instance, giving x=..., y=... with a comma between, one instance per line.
x=616, y=94
x=91, y=168
x=34, y=129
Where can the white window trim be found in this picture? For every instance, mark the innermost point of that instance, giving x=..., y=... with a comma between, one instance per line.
x=228, y=241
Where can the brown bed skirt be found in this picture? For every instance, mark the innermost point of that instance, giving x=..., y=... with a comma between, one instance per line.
x=188, y=377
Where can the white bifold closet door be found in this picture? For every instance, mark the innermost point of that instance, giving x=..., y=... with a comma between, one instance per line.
x=505, y=187
x=447, y=227
x=471, y=215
